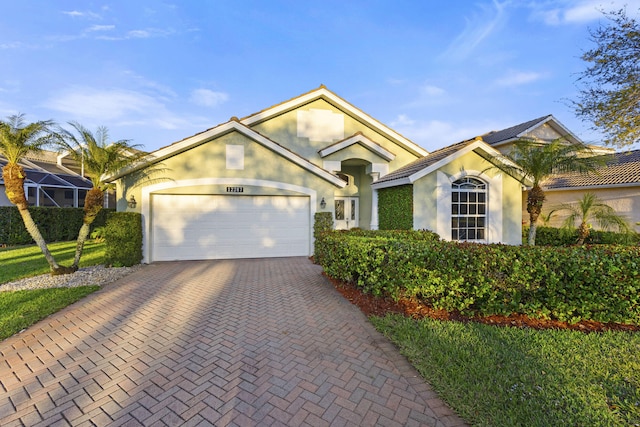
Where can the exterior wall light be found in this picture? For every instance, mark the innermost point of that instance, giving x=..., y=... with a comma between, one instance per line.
x=323, y=204
x=132, y=202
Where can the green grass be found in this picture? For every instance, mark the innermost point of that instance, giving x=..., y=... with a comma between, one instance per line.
x=496, y=376
x=21, y=309
x=27, y=261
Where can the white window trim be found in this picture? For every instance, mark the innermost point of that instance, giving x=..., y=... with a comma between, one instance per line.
x=494, y=201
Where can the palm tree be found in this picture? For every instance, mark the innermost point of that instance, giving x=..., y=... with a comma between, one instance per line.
x=18, y=138
x=590, y=208
x=535, y=162
x=99, y=158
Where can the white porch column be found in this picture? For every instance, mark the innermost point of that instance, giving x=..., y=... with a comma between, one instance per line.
x=374, y=201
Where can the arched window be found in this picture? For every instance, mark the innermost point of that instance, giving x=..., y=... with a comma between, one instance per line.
x=468, y=209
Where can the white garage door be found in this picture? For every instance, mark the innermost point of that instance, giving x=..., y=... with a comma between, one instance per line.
x=191, y=227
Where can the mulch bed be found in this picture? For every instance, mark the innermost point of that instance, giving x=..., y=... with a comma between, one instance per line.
x=377, y=306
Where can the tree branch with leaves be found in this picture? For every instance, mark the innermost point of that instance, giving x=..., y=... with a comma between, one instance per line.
x=610, y=86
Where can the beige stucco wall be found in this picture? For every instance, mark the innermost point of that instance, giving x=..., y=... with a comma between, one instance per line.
x=625, y=200
x=283, y=129
x=431, y=211
x=208, y=160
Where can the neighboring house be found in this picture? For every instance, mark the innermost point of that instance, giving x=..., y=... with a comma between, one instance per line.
x=52, y=180
x=250, y=187
x=543, y=129
x=617, y=183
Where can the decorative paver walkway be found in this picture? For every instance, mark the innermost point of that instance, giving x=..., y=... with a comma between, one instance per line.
x=221, y=343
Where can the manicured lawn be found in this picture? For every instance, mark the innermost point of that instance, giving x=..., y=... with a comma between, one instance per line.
x=27, y=261
x=21, y=309
x=496, y=376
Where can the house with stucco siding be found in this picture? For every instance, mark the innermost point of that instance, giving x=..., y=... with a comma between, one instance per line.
x=616, y=183
x=250, y=187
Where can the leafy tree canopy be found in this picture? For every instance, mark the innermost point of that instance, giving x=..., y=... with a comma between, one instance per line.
x=610, y=87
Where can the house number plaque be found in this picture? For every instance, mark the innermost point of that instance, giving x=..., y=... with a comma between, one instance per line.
x=235, y=189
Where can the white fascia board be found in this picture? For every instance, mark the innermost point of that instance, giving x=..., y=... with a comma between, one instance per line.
x=437, y=165
x=225, y=128
x=471, y=147
x=342, y=104
x=392, y=183
x=564, y=131
x=175, y=148
x=359, y=139
x=556, y=125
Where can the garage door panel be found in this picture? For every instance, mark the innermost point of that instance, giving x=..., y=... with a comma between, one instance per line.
x=218, y=227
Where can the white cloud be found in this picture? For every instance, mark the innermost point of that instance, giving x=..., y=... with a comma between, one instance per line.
x=11, y=45
x=139, y=34
x=100, y=28
x=428, y=95
x=436, y=134
x=118, y=107
x=79, y=14
x=517, y=78
x=579, y=11
x=208, y=98
x=476, y=30
x=402, y=120
x=431, y=90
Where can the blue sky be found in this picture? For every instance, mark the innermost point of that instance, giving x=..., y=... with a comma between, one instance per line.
x=156, y=72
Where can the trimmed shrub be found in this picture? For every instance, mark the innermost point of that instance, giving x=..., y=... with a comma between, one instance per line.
x=123, y=239
x=395, y=208
x=598, y=282
x=55, y=224
x=549, y=236
x=323, y=223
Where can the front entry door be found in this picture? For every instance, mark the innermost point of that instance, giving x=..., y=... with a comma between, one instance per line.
x=346, y=213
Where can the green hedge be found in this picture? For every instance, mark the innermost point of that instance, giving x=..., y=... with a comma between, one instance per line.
x=395, y=208
x=549, y=236
x=55, y=224
x=123, y=239
x=600, y=283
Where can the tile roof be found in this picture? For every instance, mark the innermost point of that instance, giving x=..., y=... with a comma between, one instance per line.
x=496, y=137
x=621, y=169
x=424, y=162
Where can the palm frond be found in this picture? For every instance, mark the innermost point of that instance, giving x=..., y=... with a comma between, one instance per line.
x=17, y=138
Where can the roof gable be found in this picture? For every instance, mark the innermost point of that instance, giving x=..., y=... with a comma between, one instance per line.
x=362, y=140
x=424, y=166
x=231, y=126
x=325, y=94
x=529, y=129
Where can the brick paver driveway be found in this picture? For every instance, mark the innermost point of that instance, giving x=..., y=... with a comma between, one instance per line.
x=242, y=342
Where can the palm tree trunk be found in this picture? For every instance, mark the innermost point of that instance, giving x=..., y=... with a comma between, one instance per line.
x=82, y=237
x=583, y=233
x=93, y=203
x=535, y=199
x=35, y=234
x=14, y=176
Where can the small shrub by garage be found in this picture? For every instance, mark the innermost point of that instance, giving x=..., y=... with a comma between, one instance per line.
x=123, y=239
x=598, y=282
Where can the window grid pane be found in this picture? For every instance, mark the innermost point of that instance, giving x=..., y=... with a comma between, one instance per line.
x=468, y=209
